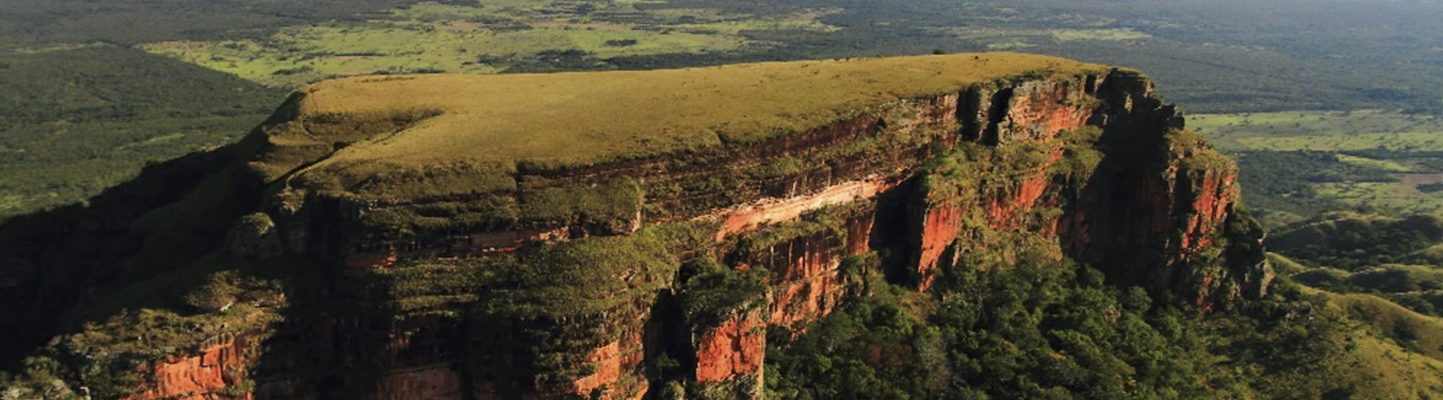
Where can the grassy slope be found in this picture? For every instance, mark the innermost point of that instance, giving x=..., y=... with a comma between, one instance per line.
x=1378, y=368
x=1416, y=332
x=583, y=118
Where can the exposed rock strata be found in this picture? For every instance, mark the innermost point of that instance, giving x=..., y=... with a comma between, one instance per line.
x=467, y=303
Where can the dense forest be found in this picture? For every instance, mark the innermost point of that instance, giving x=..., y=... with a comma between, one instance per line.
x=80, y=120
x=1050, y=331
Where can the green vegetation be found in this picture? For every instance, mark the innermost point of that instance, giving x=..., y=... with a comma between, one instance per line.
x=1261, y=61
x=1388, y=278
x=1389, y=198
x=1235, y=59
x=1040, y=329
x=560, y=301
x=1012, y=38
x=479, y=38
x=1015, y=319
x=1067, y=35
x=181, y=312
x=580, y=278
x=82, y=108
x=1321, y=130
x=715, y=292
x=520, y=119
x=78, y=120
x=1296, y=165
x=1368, y=163
x=1398, y=259
x=615, y=204
x=1353, y=241
x=828, y=225
x=1410, y=330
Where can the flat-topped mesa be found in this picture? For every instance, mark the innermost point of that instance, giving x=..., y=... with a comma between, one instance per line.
x=620, y=234
x=455, y=165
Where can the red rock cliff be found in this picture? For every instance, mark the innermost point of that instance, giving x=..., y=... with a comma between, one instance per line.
x=212, y=372
x=583, y=302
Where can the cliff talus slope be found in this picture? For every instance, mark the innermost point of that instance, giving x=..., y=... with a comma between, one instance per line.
x=630, y=234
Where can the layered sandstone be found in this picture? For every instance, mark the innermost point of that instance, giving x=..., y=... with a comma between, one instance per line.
x=202, y=376
x=617, y=275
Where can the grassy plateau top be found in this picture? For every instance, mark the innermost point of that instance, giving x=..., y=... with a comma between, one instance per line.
x=490, y=124
x=588, y=116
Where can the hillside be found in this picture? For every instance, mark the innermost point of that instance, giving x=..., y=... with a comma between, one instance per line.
x=74, y=121
x=687, y=233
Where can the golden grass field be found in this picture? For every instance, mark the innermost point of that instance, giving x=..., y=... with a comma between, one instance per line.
x=582, y=118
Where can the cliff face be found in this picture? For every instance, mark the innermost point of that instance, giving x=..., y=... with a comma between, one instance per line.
x=624, y=278
x=203, y=376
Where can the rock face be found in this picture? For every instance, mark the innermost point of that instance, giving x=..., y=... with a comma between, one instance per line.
x=733, y=351
x=202, y=376
x=617, y=278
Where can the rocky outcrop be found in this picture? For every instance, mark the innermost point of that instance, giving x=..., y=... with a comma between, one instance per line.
x=607, y=280
x=729, y=357
x=1142, y=197
x=216, y=372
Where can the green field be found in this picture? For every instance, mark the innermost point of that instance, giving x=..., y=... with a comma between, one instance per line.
x=1068, y=35
x=488, y=38
x=997, y=38
x=1321, y=130
x=1378, y=160
x=1397, y=197
x=1393, y=141
x=1385, y=165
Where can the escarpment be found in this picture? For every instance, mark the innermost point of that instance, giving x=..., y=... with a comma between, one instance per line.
x=631, y=235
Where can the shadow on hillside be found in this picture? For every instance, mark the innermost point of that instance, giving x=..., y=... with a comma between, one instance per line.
x=86, y=264
x=52, y=260
x=339, y=337
x=1131, y=188
x=1116, y=217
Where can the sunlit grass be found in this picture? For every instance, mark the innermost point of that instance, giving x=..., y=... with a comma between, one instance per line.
x=309, y=54
x=1401, y=197
x=1402, y=141
x=1393, y=141
x=1322, y=131
x=475, y=39
x=450, y=12
x=1020, y=38
x=1386, y=165
x=581, y=118
x=1391, y=320
x=1068, y=35
x=808, y=21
